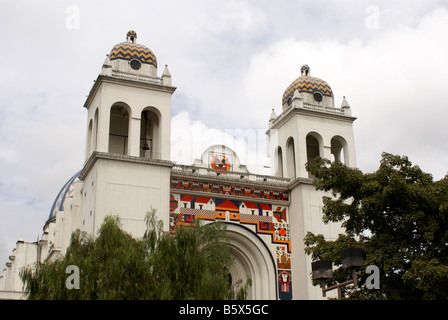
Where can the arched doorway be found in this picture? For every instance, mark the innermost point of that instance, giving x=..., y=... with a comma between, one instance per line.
x=253, y=260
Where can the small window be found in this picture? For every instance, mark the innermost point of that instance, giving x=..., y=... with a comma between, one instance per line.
x=135, y=64
x=289, y=101
x=317, y=97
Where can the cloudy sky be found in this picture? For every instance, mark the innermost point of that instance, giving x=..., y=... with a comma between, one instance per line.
x=230, y=61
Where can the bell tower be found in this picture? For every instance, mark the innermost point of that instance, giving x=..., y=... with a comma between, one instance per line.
x=309, y=126
x=127, y=163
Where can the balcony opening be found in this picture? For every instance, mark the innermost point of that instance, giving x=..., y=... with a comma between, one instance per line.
x=312, y=150
x=150, y=134
x=118, y=130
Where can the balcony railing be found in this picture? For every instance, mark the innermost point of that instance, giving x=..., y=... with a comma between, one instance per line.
x=135, y=76
x=310, y=106
x=185, y=170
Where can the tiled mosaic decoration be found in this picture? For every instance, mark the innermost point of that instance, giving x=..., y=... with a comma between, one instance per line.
x=284, y=284
x=307, y=84
x=129, y=51
x=229, y=190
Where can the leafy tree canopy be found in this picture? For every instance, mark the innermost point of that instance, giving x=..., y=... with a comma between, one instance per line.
x=398, y=215
x=192, y=264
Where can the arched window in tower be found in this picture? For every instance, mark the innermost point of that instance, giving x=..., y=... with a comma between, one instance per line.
x=118, y=130
x=278, y=162
x=338, y=149
x=290, y=158
x=89, y=139
x=131, y=36
x=150, y=134
x=312, y=149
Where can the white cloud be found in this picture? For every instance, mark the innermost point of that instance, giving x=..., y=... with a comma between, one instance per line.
x=393, y=82
x=189, y=139
x=239, y=17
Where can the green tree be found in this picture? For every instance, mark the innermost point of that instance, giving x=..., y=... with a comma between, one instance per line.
x=398, y=215
x=192, y=264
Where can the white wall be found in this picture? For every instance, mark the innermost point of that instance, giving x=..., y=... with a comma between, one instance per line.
x=128, y=189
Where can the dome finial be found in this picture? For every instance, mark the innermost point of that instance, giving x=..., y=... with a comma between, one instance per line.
x=305, y=71
x=131, y=36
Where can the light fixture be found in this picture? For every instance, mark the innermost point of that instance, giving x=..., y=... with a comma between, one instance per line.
x=352, y=258
x=322, y=270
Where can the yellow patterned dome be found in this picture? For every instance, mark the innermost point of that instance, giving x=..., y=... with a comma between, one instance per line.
x=306, y=83
x=130, y=50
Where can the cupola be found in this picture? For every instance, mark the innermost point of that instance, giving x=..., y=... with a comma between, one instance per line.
x=312, y=89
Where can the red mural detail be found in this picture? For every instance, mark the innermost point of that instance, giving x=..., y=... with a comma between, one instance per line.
x=230, y=190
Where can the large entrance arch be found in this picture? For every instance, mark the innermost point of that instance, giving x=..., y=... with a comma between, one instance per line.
x=252, y=259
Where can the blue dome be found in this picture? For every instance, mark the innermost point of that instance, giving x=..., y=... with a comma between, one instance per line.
x=66, y=192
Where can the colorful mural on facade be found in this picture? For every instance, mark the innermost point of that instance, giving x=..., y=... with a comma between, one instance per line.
x=269, y=221
x=284, y=284
x=220, y=161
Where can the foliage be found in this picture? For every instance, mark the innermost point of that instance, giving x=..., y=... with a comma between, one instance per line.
x=398, y=215
x=192, y=264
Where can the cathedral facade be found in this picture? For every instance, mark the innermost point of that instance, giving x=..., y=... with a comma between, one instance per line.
x=128, y=171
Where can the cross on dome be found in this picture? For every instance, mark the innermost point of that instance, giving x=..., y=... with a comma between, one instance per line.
x=131, y=36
